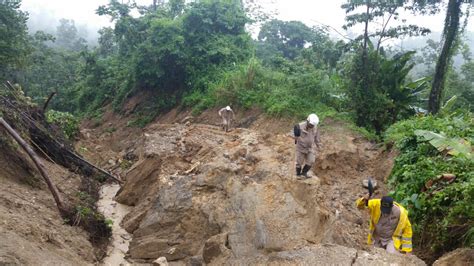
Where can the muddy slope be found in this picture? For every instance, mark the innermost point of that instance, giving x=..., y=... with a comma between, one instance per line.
x=202, y=196
x=31, y=229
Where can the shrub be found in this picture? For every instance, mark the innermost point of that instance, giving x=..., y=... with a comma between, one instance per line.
x=66, y=121
x=305, y=90
x=441, y=208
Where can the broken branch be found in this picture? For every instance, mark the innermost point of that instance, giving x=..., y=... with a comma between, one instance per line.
x=48, y=100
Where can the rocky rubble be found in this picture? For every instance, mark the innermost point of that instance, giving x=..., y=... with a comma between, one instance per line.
x=329, y=254
x=460, y=256
x=203, y=196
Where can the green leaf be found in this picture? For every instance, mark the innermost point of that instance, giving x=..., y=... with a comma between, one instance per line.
x=448, y=106
x=453, y=146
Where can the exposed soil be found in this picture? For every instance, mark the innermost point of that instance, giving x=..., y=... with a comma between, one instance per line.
x=31, y=229
x=194, y=195
x=200, y=195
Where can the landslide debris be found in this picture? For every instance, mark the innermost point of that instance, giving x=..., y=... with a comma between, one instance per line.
x=202, y=196
x=32, y=229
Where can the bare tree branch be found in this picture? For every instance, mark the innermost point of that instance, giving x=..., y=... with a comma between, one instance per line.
x=334, y=29
x=383, y=29
x=48, y=100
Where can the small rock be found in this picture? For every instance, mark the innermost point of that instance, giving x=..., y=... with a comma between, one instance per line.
x=242, y=152
x=215, y=247
x=251, y=158
x=187, y=120
x=171, y=251
x=161, y=261
x=195, y=261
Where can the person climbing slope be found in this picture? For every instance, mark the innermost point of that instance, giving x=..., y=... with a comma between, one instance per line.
x=227, y=115
x=306, y=137
x=389, y=226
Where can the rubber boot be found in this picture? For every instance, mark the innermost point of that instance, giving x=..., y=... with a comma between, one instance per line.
x=305, y=170
x=298, y=171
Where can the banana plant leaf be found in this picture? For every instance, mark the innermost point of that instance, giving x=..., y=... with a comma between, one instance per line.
x=453, y=146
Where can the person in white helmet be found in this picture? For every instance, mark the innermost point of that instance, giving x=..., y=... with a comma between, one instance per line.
x=306, y=137
x=227, y=116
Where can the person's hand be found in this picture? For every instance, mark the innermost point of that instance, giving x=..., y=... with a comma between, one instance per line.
x=366, y=197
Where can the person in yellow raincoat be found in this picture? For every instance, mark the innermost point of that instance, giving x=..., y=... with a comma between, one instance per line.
x=389, y=227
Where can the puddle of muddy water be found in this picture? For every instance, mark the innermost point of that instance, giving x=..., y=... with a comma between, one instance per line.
x=114, y=211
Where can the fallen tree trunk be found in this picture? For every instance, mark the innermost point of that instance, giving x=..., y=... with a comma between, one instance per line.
x=45, y=137
x=64, y=155
x=63, y=210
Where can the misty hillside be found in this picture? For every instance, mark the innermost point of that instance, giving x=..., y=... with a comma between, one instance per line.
x=229, y=132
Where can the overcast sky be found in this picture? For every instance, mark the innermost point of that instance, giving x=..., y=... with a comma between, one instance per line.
x=46, y=13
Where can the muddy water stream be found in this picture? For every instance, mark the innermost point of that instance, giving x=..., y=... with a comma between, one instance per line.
x=114, y=211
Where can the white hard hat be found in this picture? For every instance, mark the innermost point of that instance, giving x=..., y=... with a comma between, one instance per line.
x=313, y=119
x=227, y=108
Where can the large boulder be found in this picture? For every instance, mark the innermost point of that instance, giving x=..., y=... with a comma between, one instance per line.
x=173, y=228
x=233, y=201
x=140, y=181
x=460, y=256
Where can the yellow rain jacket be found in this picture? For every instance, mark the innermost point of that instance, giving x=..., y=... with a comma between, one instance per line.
x=402, y=234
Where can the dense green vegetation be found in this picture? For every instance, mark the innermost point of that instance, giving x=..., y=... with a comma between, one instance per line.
x=200, y=55
x=14, y=47
x=441, y=209
x=67, y=122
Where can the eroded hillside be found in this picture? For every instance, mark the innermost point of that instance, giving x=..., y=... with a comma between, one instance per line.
x=200, y=195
